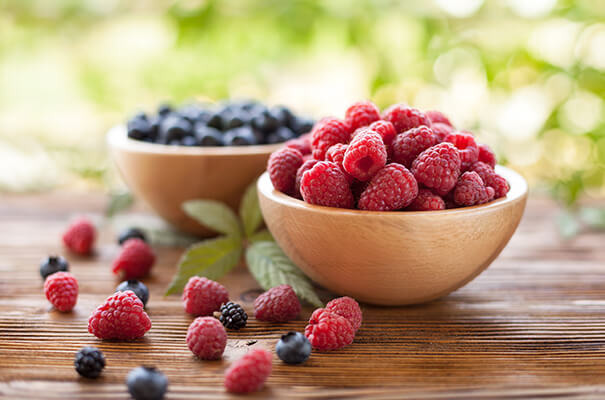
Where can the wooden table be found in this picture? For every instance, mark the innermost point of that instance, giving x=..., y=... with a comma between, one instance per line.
x=532, y=325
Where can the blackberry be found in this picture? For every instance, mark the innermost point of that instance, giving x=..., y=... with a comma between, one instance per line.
x=89, y=362
x=233, y=316
x=293, y=348
x=53, y=264
x=131, y=233
x=137, y=287
x=146, y=383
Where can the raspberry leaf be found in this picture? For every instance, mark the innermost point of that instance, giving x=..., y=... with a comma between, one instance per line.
x=271, y=267
x=118, y=202
x=211, y=258
x=214, y=215
x=249, y=211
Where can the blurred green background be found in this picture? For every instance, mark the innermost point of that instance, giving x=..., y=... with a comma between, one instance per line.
x=526, y=76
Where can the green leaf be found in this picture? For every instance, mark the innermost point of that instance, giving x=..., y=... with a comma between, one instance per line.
x=211, y=258
x=214, y=215
x=271, y=267
x=593, y=217
x=118, y=202
x=249, y=210
x=261, y=236
x=568, y=225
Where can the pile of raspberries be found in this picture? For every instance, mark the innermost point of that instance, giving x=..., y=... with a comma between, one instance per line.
x=402, y=159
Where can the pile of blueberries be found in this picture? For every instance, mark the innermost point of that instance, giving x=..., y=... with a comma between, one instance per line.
x=230, y=123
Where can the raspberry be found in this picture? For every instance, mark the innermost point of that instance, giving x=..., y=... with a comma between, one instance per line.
x=466, y=145
x=348, y=308
x=278, y=304
x=233, y=316
x=392, y=188
x=249, y=373
x=327, y=133
x=328, y=330
x=491, y=179
x=207, y=338
x=301, y=144
x=471, y=190
x=500, y=186
x=438, y=167
x=307, y=165
x=365, y=155
x=438, y=117
x=80, y=236
x=336, y=153
x=427, y=201
x=326, y=185
x=486, y=155
x=135, y=259
x=203, y=296
x=362, y=113
x=441, y=131
x=406, y=146
x=61, y=289
x=385, y=129
x=282, y=167
x=121, y=316
x=405, y=118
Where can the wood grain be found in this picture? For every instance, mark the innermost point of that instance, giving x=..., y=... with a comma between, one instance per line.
x=531, y=326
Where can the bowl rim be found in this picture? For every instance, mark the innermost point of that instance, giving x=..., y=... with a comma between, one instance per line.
x=117, y=137
x=518, y=190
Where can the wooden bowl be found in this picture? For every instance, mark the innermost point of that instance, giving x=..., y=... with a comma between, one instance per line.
x=392, y=258
x=166, y=176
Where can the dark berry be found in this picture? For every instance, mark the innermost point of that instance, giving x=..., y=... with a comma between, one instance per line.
x=189, y=141
x=301, y=125
x=266, y=122
x=242, y=136
x=175, y=128
x=131, y=233
x=138, y=287
x=89, y=362
x=216, y=121
x=282, y=134
x=233, y=316
x=146, y=383
x=208, y=136
x=190, y=112
x=234, y=120
x=293, y=348
x=283, y=115
x=164, y=109
x=138, y=128
x=53, y=264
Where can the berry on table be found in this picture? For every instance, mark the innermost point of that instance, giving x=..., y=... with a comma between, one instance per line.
x=327, y=133
x=346, y=307
x=438, y=167
x=282, y=167
x=326, y=185
x=131, y=233
x=365, y=155
x=233, y=316
x=278, y=304
x=471, y=190
x=487, y=155
x=53, y=264
x=138, y=287
x=427, y=201
x=121, y=316
x=61, y=289
x=203, y=296
x=466, y=145
x=362, y=113
x=404, y=117
x=89, y=362
x=329, y=331
x=146, y=383
x=408, y=145
x=249, y=373
x=207, y=338
x=392, y=188
x=80, y=236
x=135, y=259
x=293, y=348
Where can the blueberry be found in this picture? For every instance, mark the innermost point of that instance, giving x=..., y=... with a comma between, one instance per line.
x=189, y=141
x=53, y=264
x=208, y=136
x=242, y=136
x=138, y=128
x=301, y=125
x=146, y=383
x=216, y=121
x=164, y=109
x=175, y=128
x=190, y=112
x=265, y=122
x=154, y=125
x=283, y=114
x=259, y=136
x=280, y=135
x=293, y=348
x=89, y=362
x=233, y=120
x=137, y=287
x=131, y=233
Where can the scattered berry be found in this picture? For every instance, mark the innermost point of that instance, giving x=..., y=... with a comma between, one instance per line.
x=80, y=236
x=249, y=373
x=89, y=362
x=61, y=289
x=131, y=233
x=466, y=145
x=471, y=190
x=207, y=338
x=293, y=348
x=348, y=308
x=147, y=383
x=327, y=133
x=203, y=296
x=282, y=167
x=427, y=201
x=405, y=118
x=307, y=165
x=438, y=117
x=408, y=145
x=329, y=331
x=278, y=304
x=138, y=287
x=441, y=131
x=491, y=179
x=53, y=264
x=121, y=316
x=326, y=185
x=392, y=188
x=438, y=167
x=385, y=129
x=233, y=316
x=365, y=155
x=486, y=155
x=135, y=259
x=362, y=113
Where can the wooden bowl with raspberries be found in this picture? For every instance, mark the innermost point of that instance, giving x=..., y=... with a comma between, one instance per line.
x=390, y=208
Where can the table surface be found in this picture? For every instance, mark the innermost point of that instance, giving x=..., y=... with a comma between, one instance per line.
x=532, y=325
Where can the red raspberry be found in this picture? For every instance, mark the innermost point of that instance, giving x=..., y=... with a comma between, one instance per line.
x=207, y=338
x=385, y=129
x=121, y=316
x=427, y=201
x=135, y=259
x=471, y=190
x=438, y=167
x=405, y=118
x=362, y=113
x=326, y=185
x=365, y=155
x=466, y=145
x=203, y=296
x=438, y=117
x=491, y=179
x=249, y=373
x=441, y=131
x=336, y=153
x=307, y=165
x=357, y=188
x=302, y=144
x=500, y=186
x=392, y=188
x=406, y=146
x=327, y=133
x=329, y=331
x=80, y=236
x=282, y=167
x=487, y=155
x=348, y=308
x=61, y=289
x=278, y=304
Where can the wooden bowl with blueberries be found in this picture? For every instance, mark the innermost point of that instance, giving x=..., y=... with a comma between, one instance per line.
x=200, y=152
